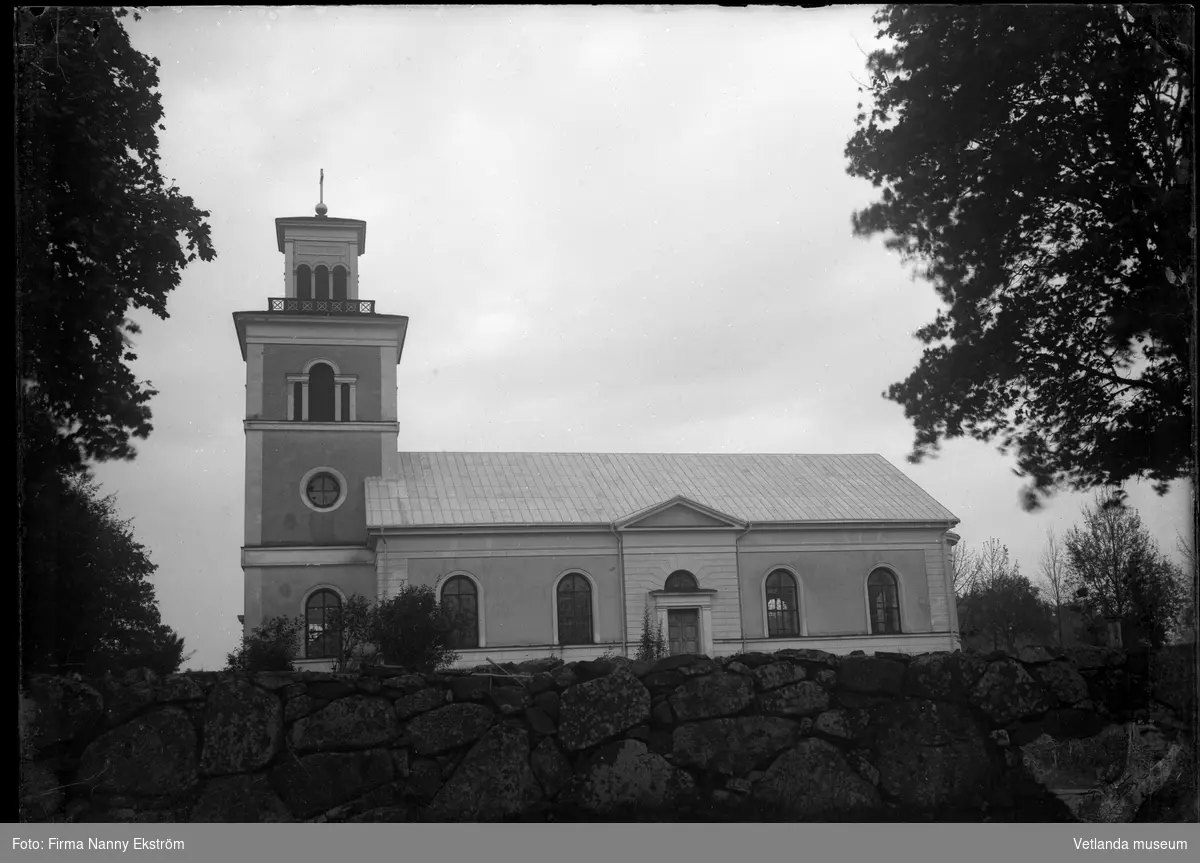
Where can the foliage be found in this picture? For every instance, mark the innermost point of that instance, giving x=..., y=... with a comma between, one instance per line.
x=971, y=566
x=1116, y=564
x=409, y=630
x=1035, y=164
x=355, y=625
x=652, y=644
x=270, y=646
x=406, y=630
x=87, y=602
x=99, y=229
x=98, y=234
x=1001, y=608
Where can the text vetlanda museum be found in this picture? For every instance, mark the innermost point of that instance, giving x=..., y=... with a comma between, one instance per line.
x=138, y=843
x=1137, y=845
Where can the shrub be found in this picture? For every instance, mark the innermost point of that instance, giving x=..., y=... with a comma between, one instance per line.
x=652, y=645
x=409, y=630
x=271, y=646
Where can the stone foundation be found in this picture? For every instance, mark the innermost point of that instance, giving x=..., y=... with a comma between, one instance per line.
x=799, y=735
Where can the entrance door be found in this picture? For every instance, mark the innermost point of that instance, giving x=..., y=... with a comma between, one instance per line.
x=683, y=630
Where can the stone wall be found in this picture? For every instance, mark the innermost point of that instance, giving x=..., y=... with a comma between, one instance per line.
x=798, y=735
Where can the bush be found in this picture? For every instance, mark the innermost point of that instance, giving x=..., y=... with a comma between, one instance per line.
x=271, y=646
x=409, y=630
x=653, y=644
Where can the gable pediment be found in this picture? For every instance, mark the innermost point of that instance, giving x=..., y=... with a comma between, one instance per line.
x=679, y=513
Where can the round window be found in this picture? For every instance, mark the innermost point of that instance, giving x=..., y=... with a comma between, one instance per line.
x=323, y=490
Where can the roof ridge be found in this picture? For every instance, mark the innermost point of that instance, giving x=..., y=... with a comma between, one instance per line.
x=602, y=453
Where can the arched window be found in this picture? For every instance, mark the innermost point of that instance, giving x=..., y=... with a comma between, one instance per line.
x=783, y=605
x=883, y=599
x=320, y=394
x=303, y=282
x=574, y=610
x=322, y=278
x=339, y=283
x=680, y=581
x=323, y=634
x=460, y=606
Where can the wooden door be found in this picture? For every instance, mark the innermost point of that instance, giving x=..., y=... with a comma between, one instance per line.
x=683, y=630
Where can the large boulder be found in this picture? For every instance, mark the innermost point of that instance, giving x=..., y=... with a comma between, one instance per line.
x=871, y=674
x=357, y=722
x=1063, y=682
x=42, y=793
x=813, y=782
x=240, y=799
x=1086, y=656
x=449, y=727
x=933, y=756
x=551, y=767
x=712, y=696
x=805, y=698
x=242, y=727
x=810, y=656
x=1173, y=677
x=598, y=709
x=777, y=674
x=849, y=724
x=421, y=701
x=625, y=777
x=936, y=676
x=732, y=747
x=65, y=708
x=127, y=693
x=178, y=687
x=312, y=784
x=152, y=755
x=494, y=782
x=1006, y=692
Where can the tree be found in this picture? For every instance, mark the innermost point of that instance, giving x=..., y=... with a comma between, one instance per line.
x=1007, y=612
x=1185, y=624
x=354, y=623
x=99, y=232
x=87, y=603
x=1119, y=573
x=1035, y=165
x=1000, y=608
x=409, y=630
x=1053, y=563
x=652, y=644
x=966, y=565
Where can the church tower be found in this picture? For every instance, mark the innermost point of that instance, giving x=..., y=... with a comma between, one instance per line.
x=320, y=419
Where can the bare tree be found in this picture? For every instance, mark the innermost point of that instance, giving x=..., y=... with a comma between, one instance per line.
x=999, y=607
x=966, y=565
x=1054, y=570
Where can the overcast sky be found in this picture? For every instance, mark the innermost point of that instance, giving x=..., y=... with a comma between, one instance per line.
x=612, y=230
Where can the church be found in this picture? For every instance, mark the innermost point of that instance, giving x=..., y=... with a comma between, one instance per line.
x=552, y=554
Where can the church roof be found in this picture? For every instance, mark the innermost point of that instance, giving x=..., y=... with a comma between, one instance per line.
x=475, y=488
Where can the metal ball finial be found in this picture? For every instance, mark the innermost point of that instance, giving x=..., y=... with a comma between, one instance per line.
x=321, y=208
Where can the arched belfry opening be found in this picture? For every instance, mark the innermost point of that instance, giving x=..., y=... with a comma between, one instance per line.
x=320, y=394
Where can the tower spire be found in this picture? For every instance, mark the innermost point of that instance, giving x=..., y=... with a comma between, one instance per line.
x=321, y=208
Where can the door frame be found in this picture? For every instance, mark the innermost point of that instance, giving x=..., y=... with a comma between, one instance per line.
x=698, y=600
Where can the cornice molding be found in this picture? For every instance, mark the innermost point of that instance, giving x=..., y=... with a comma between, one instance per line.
x=305, y=426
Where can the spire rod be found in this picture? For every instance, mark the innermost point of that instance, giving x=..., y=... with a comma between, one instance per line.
x=321, y=208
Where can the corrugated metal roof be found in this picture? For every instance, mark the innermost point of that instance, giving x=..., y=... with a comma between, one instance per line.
x=448, y=488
